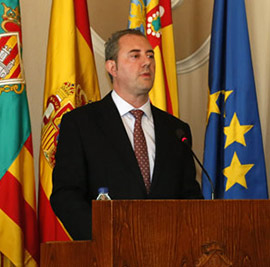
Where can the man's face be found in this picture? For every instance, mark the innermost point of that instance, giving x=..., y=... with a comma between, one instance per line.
x=135, y=67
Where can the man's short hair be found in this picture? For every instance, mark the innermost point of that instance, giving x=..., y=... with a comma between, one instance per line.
x=112, y=45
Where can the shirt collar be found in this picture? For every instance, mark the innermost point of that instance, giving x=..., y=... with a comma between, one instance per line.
x=124, y=107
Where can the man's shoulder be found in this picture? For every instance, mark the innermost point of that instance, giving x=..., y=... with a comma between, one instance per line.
x=169, y=118
x=169, y=123
x=90, y=108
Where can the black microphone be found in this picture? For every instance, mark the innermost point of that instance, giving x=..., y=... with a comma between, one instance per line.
x=181, y=135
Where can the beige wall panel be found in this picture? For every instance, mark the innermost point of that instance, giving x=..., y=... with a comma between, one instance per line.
x=192, y=24
x=193, y=99
x=35, y=23
x=107, y=16
x=103, y=78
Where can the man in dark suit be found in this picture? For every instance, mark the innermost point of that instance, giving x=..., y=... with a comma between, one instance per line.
x=96, y=145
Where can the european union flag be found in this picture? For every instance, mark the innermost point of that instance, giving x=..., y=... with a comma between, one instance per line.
x=233, y=153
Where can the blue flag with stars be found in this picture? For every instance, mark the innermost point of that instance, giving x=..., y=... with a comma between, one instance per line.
x=233, y=154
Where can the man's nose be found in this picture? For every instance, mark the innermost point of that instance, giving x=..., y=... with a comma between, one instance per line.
x=147, y=61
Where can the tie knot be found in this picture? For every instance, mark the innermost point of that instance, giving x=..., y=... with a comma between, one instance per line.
x=137, y=113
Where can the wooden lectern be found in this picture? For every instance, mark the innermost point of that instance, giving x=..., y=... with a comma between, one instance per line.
x=160, y=233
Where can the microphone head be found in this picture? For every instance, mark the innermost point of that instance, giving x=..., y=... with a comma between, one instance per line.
x=181, y=135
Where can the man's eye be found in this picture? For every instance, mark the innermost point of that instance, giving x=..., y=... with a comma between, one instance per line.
x=150, y=56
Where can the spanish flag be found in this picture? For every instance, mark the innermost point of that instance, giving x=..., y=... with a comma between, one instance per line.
x=154, y=19
x=19, y=245
x=71, y=81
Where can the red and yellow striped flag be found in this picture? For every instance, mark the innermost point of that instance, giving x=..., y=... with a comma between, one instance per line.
x=154, y=19
x=71, y=81
x=19, y=244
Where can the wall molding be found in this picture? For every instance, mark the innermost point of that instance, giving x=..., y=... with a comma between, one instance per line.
x=98, y=43
x=176, y=3
x=186, y=65
x=195, y=60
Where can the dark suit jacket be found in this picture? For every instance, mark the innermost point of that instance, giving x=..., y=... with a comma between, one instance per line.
x=94, y=151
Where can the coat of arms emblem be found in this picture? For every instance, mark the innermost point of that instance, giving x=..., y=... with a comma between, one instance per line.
x=11, y=68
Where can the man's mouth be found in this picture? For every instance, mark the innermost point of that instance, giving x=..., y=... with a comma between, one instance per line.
x=145, y=74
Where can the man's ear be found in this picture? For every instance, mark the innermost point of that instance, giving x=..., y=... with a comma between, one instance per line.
x=111, y=67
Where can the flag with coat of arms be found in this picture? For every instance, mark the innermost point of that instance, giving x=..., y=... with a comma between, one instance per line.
x=154, y=19
x=71, y=81
x=19, y=245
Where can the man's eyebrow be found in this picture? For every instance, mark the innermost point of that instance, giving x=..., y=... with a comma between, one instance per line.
x=134, y=51
x=138, y=50
x=150, y=51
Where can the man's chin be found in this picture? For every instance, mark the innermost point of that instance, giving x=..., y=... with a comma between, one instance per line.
x=147, y=86
x=146, y=90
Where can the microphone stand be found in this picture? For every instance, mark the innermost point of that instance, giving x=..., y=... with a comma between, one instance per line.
x=206, y=173
x=181, y=135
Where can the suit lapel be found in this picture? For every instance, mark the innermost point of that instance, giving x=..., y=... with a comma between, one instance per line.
x=110, y=122
x=161, y=135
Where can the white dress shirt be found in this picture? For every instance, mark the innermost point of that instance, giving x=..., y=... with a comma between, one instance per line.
x=128, y=119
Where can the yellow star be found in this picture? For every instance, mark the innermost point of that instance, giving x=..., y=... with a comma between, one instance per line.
x=212, y=104
x=236, y=172
x=226, y=94
x=235, y=132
